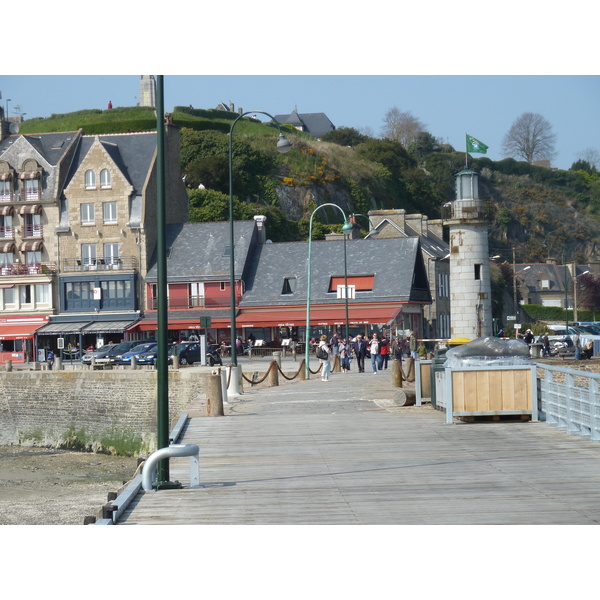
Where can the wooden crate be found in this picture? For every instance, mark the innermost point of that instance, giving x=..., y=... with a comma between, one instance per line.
x=493, y=391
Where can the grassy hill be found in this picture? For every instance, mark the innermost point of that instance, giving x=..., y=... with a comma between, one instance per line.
x=537, y=211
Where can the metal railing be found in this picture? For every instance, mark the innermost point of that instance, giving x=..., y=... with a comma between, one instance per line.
x=11, y=269
x=71, y=265
x=569, y=399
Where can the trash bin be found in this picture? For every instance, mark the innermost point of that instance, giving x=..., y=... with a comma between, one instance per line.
x=536, y=350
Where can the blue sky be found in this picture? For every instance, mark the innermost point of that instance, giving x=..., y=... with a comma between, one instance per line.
x=459, y=70
x=449, y=105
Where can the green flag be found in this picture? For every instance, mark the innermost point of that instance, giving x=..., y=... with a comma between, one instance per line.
x=474, y=145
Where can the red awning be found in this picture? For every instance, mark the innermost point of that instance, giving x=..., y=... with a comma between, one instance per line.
x=335, y=315
x=19, y=332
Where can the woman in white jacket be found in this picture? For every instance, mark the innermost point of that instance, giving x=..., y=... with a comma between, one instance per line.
x=325, y=362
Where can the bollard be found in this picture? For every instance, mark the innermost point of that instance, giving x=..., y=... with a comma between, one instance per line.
x=277, y=357
x=273, y=375
x=302, y=370
x=133, y=363
x=93, y=363
x=214, y=396
x=9, y=365
x=336, y=364
x=234, y=382
x=223, y=374
x=176, y=362
x=397, y=373
x=58, y=363
x=410, y=365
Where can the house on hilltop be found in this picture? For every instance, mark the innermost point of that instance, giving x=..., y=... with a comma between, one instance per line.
x=316, y=124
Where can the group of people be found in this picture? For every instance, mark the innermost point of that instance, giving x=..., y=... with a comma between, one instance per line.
x=582, y=351
x=377, y=348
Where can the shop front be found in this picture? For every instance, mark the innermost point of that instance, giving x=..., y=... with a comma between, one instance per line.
x=17, y=338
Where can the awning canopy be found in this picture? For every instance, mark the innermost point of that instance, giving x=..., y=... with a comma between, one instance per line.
x=30, y=209
x=31, y=246
x=21, y=331
x=335, y=315
x=62, y=328
x=7, y=247
x=107, y=326
x=7, y=210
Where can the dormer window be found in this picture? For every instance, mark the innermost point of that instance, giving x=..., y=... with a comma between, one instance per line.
x=289, y=285
x=105, y=178
x=90, y=180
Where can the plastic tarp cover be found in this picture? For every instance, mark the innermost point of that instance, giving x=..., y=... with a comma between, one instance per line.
x=488, y=351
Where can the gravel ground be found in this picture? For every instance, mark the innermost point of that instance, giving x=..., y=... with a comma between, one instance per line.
x=40, y=486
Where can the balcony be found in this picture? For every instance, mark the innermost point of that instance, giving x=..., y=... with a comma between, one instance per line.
x=75, y=265
x=33, y=231
x=467, y=210
x=11, y=269
x=7, y=233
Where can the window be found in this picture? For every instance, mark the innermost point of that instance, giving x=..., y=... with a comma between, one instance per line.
x=42, y=294
x=33, y=258
x=90, y=180
x=6, y=229
x=111, y=254
x=25, y=294
x=289, y=285
x=87, y=214
x=109, y=212
x=545, y=285
x=9, y=295
x=196, y=291
x=105, y=178
x=88, y=254
x=32, y=225
x=5, y=190
x=32, y=189
x=477, y=271
x=361, y=283
x=7, y=258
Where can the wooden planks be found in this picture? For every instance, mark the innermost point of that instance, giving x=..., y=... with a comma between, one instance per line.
x=326, y=453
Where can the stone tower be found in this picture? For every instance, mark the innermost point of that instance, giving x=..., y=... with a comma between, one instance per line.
x=147, y=91
x=470, y=286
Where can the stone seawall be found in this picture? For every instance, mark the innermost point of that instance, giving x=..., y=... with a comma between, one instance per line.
x=112, y=411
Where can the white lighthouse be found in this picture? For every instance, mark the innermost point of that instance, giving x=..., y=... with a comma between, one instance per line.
x=470, y=287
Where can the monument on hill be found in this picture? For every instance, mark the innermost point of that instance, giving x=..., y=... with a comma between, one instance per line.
x=147, y=91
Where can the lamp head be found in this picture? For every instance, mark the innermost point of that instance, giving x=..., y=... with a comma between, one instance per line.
x=283, y=144
x=347, y=226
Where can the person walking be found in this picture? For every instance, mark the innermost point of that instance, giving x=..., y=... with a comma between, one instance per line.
x=412, y=344
x=324, y=356
x=397, y=348
x=344, y=352
x=374, y=351
x=577, y=344
x=545, y=345
x=360, y=351
x=384, y=353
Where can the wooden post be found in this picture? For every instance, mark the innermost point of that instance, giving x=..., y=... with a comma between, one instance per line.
x=302, y=371
x=397, y=373
x=410, y=364
x=214, y=396
x=273, y=375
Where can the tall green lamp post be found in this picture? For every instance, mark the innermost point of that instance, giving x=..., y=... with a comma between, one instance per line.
x=346, y=227
x=283, y=146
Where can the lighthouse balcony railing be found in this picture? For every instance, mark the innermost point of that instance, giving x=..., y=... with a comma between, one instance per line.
x=467, y=209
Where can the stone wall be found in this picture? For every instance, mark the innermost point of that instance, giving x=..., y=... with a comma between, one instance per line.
x=91, y=410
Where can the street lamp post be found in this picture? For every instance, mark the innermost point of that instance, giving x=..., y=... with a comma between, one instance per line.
x=575, y=286
x=346, y=227
x=283, y=145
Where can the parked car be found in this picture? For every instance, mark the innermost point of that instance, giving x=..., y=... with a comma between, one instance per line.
x=149, y=358
x=97, y=354
x=189, y=353
x=136, y=351
x=114, y=355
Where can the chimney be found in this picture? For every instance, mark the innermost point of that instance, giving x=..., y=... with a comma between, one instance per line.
x=550, y=261
x=262, y=230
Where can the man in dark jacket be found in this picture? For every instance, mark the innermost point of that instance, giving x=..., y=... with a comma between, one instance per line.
x=360, y=351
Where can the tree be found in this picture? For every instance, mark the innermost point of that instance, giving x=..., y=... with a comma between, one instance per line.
x=530, y=138
x=401, y=127
x=587, y=160
x=344, y=136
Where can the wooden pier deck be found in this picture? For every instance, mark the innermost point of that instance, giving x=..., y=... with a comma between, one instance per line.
x=315, y=453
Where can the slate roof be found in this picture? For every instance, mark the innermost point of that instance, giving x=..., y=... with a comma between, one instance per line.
x=392, y=261
x=317, y=124
x=52, y=146
x=198, y=251
x=431, y=244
